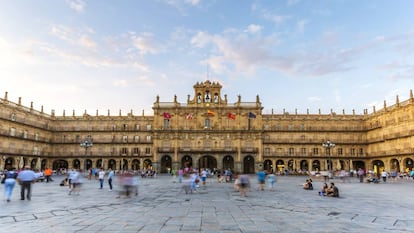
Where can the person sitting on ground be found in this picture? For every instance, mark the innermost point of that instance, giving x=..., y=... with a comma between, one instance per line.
x=308, y=185
x=333, y=191
x=324, y=190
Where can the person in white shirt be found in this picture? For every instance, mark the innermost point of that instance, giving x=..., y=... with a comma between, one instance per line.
x=101, y=176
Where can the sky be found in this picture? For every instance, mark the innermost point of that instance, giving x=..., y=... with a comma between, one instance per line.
x=296, y=55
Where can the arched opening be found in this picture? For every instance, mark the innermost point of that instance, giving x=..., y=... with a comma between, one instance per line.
x=268, y=165
x=207, y=162
x=228, y=163
x=88, y=164
x=9, y=163
x=291, y=165
x=125, y=165
x=166, y=164
x=147, y=164
x=76, y=164
x=33, y=163
x=341, y=165
x=316, y=165
x=408, y=165
x=395, y=165
x=248, y=165
x=378, y=166
x=280, y=165
x=357, y=164
x=60, y=164
x=43, y=164
x=187, y=162
x=99, y=163
x=304, y=166
x=135, y=164
x=112, y=164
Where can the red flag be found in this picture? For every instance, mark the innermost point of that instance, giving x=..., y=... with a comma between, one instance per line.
x=167, y=115
x=232, y=116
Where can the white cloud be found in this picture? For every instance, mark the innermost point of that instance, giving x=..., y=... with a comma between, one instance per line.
x=77, y=5
x=254, y=28
x=144, y=43
x=292, y=2
x=74, y=36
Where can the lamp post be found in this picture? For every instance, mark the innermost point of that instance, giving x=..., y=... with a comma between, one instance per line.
x=328, y=145
x=86, y=144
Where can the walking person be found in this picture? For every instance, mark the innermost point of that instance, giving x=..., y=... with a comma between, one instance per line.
x=261, y=177
x=101, y=176
x=48, y=174
x=360, y=174
x=9, y=183
x=111, y=175
x=25, y=179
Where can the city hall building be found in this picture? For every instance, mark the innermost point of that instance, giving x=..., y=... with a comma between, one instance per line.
x=208, y=131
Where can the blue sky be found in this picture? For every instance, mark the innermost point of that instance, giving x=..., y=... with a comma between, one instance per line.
x=119, y=55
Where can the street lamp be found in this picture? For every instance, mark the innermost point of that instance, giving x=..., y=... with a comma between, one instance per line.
x=86, y=144
x=328, y=145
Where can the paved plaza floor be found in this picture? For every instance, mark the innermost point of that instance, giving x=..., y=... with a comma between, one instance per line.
x=162, y=206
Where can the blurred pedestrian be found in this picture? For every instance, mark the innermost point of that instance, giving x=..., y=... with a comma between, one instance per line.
x=101, y=176
x=26, y=178
x=111, y=175
x=9, y=183
x=261, y=178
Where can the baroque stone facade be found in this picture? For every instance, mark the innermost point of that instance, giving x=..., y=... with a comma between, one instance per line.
x=209, y=132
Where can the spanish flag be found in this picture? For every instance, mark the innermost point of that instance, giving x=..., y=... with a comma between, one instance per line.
x=210, y=113
x=232, y=116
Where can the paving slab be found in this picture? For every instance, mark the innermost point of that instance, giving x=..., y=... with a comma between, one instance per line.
x=162, y=206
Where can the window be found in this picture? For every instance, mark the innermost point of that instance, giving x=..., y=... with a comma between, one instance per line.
x=207, y=123
x=303, y=151
x=124, y=150
x=148, y=138
x=339, y=151
x=361, y=151
x=125, y=126
x=352, y=151
x=136, y=151
x=113, y=138
x=166, y=123
x=148, y=127
x=113, y=127
x=13, y=117
x=125, y=139
x=25, y=134
x=291, y=151
x=35, y=150
x=136, y=127
x=315, y=151
x=12, y=132
x=147, y=150
x=136, y=138
x=267, y=151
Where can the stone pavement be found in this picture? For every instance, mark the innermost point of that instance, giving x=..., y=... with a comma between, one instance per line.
x=162, y=206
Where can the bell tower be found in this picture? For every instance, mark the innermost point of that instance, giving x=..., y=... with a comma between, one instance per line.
x=207, y=93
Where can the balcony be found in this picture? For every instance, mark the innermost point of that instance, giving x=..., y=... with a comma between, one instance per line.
x=207, y=149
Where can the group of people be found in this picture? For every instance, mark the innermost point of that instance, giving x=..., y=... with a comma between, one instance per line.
x=25, y=178
x=331, y=191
